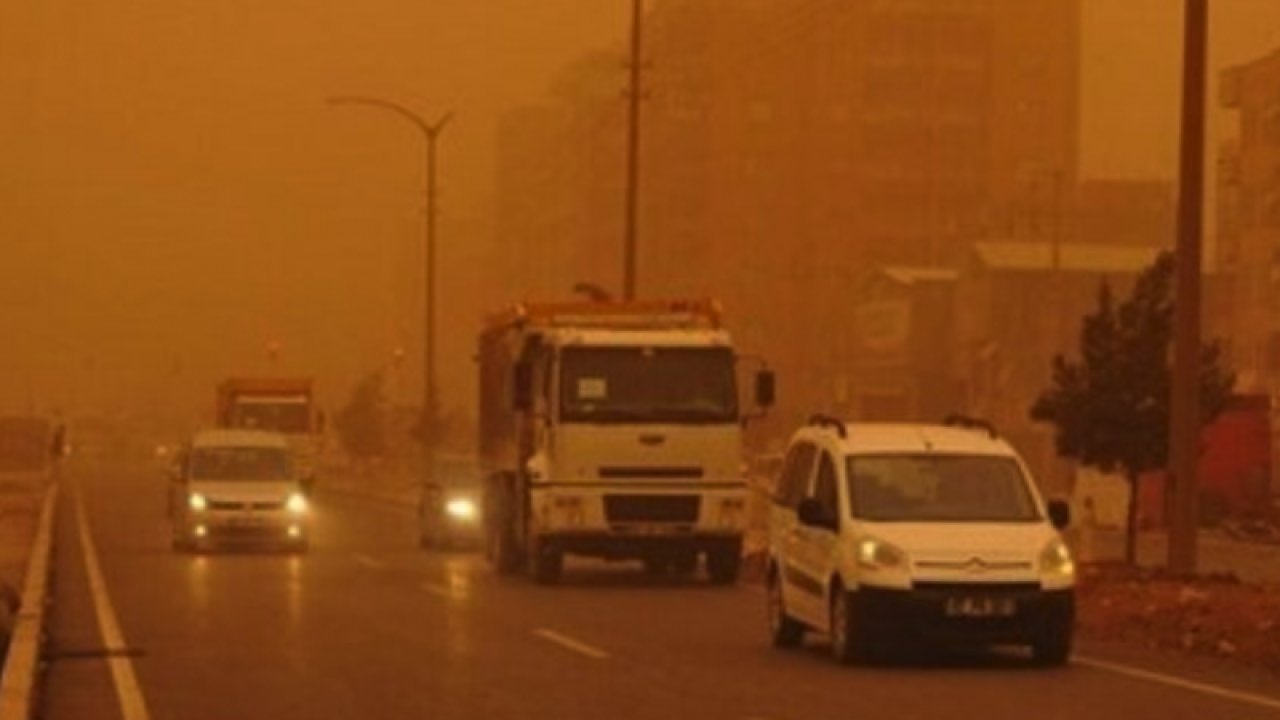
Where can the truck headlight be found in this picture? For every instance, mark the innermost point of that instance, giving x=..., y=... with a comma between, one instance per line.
x=461, y=509
x=197, y=502
x=1055, y=559
x=880, y=555
x=296, y=504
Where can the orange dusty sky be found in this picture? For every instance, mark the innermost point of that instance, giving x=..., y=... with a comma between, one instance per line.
x=175, y=195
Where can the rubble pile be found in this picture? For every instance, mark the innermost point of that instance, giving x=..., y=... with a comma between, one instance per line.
x=1215, y=615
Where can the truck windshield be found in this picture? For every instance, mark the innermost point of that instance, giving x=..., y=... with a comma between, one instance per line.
x=239, y=463
x=278, y=416
x=648, y=384
x=939, y=488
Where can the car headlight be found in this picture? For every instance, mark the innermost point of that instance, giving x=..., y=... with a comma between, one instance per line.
x=1055, y=559
x=878, y=554
x=197, y=502
x=296, y=504
x=461, y=508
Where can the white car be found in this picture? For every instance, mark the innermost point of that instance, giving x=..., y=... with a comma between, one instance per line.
x=237, y=487
x=900, y=536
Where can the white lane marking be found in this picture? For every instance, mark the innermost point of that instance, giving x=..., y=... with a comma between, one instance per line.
x=569, y=643
x=18, y=680
x=369, y=562
x=439, y=590
x=133, y=705
x=1175, y=681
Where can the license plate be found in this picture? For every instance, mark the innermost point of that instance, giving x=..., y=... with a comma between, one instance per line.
x=980, y=606
x=246, y=521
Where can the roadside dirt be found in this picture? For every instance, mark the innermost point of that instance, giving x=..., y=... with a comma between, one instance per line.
x=19, y=516
x=1212, y=615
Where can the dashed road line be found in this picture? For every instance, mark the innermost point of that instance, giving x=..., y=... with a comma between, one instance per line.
x=1175, y=681
x=133, y=706
x=439, y=590
x=370, y=562
x=569, y=643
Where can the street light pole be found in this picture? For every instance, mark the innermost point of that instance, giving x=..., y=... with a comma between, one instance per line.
x=430, y=133
x=630, y=241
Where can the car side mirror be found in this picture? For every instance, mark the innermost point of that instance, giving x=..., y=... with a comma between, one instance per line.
x=765, y=388
x=1059, y=513
x=522, y=384
x=811, y=513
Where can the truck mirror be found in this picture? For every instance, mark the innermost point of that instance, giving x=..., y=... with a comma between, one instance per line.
x=765, y=388
x=523, y=395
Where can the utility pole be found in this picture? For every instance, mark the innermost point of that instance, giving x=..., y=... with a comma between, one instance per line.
x=634, y=93
x=1184, y=432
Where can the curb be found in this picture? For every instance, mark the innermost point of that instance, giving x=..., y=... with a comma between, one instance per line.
x=21, y=669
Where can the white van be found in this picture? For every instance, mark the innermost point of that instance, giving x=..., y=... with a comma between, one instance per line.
x=893, y=536
x=236, y=487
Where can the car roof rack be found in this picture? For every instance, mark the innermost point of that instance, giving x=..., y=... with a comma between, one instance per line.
x=821, y=420
x=971, y=423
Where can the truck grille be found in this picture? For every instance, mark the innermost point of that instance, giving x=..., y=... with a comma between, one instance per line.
x=651, y=508
x=236, y=505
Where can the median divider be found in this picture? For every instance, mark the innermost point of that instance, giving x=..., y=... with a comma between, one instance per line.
x=21, y=675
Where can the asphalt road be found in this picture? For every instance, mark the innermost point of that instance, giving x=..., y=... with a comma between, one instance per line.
x=367, y=626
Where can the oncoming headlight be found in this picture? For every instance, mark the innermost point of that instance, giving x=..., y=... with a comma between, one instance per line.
x=197, y=502
x=296, y=504
x=878, y=554
x=1055, y=559
x=461, y=508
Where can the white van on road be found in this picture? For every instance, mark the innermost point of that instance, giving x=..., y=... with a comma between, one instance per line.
x=893, y=536
x=237, y=487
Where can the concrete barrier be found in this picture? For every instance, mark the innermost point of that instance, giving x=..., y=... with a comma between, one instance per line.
x=22, y=666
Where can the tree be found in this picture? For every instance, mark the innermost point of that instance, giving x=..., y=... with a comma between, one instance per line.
x=361, y=423
x=1111, y=406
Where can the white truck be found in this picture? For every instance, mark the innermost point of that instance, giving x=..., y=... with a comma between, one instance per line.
x=613, y=430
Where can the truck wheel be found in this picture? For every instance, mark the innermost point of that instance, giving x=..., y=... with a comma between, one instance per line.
x=684, y=563
x=654, y=564
x=546, y=562
x=506, y=558
x=724, y=564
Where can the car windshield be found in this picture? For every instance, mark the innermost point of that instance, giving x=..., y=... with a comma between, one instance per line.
x=939, y=488
x=239, y=463
x=648, y=384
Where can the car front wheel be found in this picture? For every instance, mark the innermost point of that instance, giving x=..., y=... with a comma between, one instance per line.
x=784, y=630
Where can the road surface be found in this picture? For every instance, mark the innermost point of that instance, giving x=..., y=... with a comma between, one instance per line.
x=368, y=626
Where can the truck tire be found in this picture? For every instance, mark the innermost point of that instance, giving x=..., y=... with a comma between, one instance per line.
x=724, y=563
x=505, y=554
x=685, y=563
x=546, y=561
x=654, y=564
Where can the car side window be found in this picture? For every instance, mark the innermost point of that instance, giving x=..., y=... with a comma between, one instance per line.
x=795, y=475
x=825, y=489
